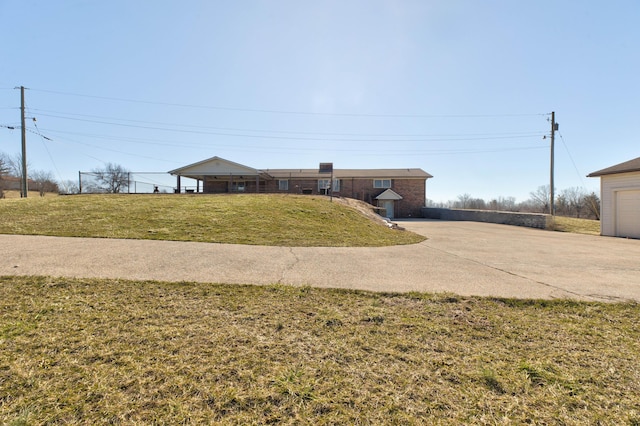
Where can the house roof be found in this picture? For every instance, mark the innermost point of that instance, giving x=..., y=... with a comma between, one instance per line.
x=389, y=194
x=216, y=166
x=627, y=166
x=349, y=173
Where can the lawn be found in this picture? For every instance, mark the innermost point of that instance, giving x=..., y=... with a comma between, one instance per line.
x=278, y=220
x=90, y=351
x=575, y=225
x=78, y=351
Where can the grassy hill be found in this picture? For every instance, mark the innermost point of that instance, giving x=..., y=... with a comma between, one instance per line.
x=280, y=220
x=92, y=351
x=89, y=351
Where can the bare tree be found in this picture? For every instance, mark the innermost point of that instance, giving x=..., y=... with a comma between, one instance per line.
x=569, y=202
x=592, y=205
x=502, y=204
x=563, y=208
x=540, y=198
x=573, y=198
x=507, y=204
x=44, y=182
x=4, y=171
x=477, y=204
x=463, y=201
x=69, y=187
x=113, y=178
x=15, y=165
x=16, y=169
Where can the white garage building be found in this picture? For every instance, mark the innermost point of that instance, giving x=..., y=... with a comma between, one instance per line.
x=620, y=199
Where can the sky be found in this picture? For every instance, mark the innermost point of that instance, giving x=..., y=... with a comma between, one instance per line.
x=460, y=88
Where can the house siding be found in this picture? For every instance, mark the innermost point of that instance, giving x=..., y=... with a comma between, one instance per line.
x=411, y=190
x=413, y=197
x=609, y=186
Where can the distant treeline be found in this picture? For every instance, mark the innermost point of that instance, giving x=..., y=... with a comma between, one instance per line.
x=570, y=202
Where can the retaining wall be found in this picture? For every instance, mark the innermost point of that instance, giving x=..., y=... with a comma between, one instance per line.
x=531, y=220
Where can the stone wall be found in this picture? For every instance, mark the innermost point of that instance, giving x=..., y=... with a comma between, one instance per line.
x=531, y=220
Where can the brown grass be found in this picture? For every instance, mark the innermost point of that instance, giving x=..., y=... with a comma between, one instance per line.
x=278, y=220
x=11, y=193
x=575, y=225
x=122, y=352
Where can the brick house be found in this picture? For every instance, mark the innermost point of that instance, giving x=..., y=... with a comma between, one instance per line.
x=398, y=192
x=15, y=183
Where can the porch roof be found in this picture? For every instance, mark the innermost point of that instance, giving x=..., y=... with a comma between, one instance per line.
x=389, y=194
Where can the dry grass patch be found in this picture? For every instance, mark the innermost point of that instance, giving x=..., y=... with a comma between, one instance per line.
x=577, y=226
x=237, y=219
x=12, y=193
x=122, y=352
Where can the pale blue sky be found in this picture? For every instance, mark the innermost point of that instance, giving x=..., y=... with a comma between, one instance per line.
x=461, y=89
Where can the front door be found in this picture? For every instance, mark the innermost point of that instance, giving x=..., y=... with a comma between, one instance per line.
x=388, y=206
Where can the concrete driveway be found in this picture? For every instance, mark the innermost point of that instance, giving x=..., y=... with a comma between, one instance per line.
x=464, y=258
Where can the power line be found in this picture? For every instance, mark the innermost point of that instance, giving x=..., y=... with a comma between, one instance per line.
x=298, y=138
x=271, y=111
x=54, y=115
x=572, y=162
x=42, y=139
x=110, y=150
x=364, y=151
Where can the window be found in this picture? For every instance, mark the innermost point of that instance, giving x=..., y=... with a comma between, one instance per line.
x=382, y=183
x=283, y=185
x=237, y=187
x=323, y=185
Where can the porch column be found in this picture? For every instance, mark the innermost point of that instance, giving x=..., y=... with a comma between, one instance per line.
x=257, y=184
x=178, y=184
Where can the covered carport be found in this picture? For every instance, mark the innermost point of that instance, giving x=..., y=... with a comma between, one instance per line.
x=219, y=176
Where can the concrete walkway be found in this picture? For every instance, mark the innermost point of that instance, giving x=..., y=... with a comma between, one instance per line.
x=464, y=258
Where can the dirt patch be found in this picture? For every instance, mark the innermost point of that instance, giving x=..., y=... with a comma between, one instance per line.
x=365, y=208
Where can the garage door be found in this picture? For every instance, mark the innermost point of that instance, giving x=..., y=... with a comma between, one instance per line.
x=628, y=214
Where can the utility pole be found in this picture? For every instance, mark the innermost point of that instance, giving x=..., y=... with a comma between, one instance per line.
x=24, y=186
x=554, y=127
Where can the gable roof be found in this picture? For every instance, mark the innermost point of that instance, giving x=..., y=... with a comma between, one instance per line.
x=214, y=166
x=389, y=194
x=627, y=166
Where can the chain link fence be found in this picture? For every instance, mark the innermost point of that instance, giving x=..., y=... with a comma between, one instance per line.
x=132, y=183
